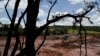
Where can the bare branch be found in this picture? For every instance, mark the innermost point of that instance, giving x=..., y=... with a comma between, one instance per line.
x=89, y=20
x=43, y=39
x=51, y=9
x=56, y=18
x=46, y=26
x=7, y=10
x=20, y=18
x=16, y=33
x=23, y=19
x=11, y=28
x=86, y=12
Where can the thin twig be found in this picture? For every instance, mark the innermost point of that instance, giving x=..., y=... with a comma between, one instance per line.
x=85, y=40
x=50, y=10
x=47, y=26
x=23, y=19
x=43, y=39
x=16, y=33
x=80, y=38
x=7, y=10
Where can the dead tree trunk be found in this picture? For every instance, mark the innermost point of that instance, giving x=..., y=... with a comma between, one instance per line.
x=32, y=13
x=5, y=53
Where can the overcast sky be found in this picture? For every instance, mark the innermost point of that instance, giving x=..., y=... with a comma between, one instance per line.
x=62, y=7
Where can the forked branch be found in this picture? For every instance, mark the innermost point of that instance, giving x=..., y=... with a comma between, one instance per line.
x=7, y=10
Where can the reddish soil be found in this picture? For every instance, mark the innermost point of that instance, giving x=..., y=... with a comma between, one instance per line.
x=54, y=47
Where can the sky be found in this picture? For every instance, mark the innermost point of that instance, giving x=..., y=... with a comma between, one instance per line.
x=61, y=7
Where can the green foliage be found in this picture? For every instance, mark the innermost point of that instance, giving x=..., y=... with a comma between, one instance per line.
x=5, y=27
x=91, y=30
x=57, y=30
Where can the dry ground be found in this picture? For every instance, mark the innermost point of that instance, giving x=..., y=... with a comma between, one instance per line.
x=54, y=47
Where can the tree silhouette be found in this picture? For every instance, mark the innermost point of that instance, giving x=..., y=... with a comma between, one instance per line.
x=31, y=31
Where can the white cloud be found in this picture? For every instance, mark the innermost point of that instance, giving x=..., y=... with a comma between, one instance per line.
x=95, y=10
x=7, y=21
x=3, y=3
x=4, y=20
x=41, y=13
x=80, y=10
x=66, y=21
x=78, y=1
x=69, y=21
x=23, y=4
x=90, y=0
x=56, y=13
x=75, y=1
x=40, y=23
x=61, y=13
x=96, y=19
x=43, y=21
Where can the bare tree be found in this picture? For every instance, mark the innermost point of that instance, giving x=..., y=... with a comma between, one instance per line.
x=11, y=28
x=31, y=32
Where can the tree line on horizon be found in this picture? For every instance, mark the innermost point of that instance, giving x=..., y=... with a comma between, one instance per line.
x=53, y=30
